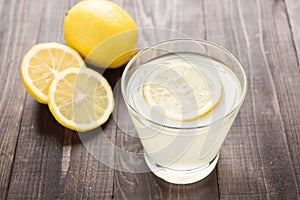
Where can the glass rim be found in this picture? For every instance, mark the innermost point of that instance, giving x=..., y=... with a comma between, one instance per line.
x=144, y=50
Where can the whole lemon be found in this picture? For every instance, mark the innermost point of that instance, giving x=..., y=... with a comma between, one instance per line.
x=102, y=32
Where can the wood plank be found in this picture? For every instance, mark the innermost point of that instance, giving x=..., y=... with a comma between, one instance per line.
x=132, y=179
x=51, y=161
x=289, y=103
x=238, y=157
x=256, y=161
x=176, y=16
x=285, y=72
x=259, y=160
x=19, y=29
x=293, y=7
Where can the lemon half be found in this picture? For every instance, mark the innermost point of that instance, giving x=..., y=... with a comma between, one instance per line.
x=180, y=91
x=80, y=99
x=41, y=64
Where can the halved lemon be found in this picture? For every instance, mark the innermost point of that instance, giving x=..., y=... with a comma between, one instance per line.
x=181, y=91
x=42, y=62
x=80, y=99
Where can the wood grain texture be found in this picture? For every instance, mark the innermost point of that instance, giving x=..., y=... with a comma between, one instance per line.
x=257, y=149
x=293, y=7
x=239, y=159
x=130, y=180
x=39, y=159
x=50, y=161
x=282, y=58
x=20, y=22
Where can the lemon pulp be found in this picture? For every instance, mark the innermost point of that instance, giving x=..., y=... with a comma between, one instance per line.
x=80, y=99
x=41, y=64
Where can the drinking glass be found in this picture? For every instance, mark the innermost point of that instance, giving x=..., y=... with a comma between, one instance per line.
x=183, y=152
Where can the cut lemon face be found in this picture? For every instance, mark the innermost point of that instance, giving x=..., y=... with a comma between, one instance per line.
x=80, y=99
x=42, y=62
x=181, y=91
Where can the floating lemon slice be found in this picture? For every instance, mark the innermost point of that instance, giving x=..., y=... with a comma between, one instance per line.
x=80, y=99
x=42, y=62
x=181, y=91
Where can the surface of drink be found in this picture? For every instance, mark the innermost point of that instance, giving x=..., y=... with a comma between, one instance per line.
x=174, y=139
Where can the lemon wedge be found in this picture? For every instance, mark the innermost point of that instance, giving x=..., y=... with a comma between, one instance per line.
x=42, y=62
x=80, y=99
x=181, y=91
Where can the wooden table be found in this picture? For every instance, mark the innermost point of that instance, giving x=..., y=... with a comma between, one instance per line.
x=39, y=159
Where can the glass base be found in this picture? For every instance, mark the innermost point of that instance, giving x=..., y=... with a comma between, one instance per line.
x=179, y=176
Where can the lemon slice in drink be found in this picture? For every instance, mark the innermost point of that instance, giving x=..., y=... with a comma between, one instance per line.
x=42, y=62
x=80, y=99
x=181, y=91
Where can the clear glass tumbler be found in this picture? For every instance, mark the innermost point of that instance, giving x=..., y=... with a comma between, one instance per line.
x=183, y=149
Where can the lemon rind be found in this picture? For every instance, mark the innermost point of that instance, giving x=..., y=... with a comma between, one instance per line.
x=209, y=107
x=69, y=123
x=28, y=83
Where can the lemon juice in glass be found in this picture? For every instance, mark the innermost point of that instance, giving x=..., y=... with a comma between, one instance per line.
x=183, y=96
